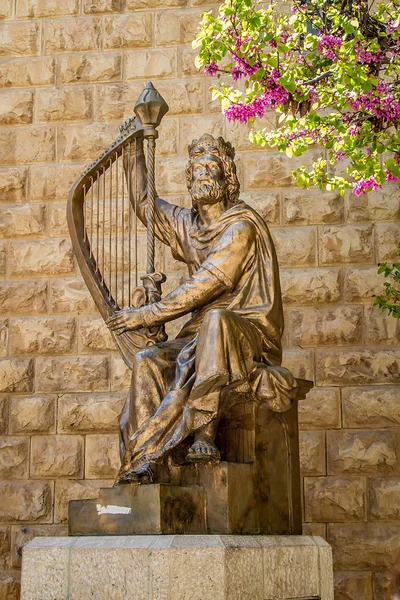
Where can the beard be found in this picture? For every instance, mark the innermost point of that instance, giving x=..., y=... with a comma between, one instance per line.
x=206, y=191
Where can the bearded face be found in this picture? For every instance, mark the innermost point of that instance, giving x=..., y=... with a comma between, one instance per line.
x=208, y=180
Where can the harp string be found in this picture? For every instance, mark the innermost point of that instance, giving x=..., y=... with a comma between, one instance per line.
x=110, y=232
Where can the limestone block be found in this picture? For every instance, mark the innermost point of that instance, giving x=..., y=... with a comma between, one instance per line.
x=82, y=68
x=16, y=375
x=272, y=170
x=3, y=257
x=382, y=205
x=22, y=219
x=312, y=452
x=6, y=9
x=14, y=457
x=143, y=64
x=300, y=363
x=51, y=566
x=186, y=57
x=315, y=529
x=32, y=414
x=13, y=184
x=10, y=585
x=146, y=4
x=193, y=127
x=384, y=499
x=363, y=452
x=302, y=207
x=295, y=246
x=79, y=34
x=382, y=586
x=94, y=336
x=5, y=547
x=346, y=244
x=49, y=257
x=19, y=38
x=171, y=175
x=362, y=284
x=57, y=218
x=309, y=286
x=357, y=367
x=334, y=499
x=3, y=334
x=128, y=31
x=387, y=240
x=353, y=585
x=102, y=456
x=266, y=204
x=21, y=145
x=16, y=107
x=238, y=133
x=27, y=71
x=52, y=182
x=102, y=6
x=121, y=375
x=320, y=409
x=75, y=490
x=184, y=97
x=325, y=326
x=56, y=456
x=23, y=534
x=42, y=335
x=177, y=27
x=167, y=143
x=381, y=328
x=46, y=8
x=64, y=104
x=88, y=413
x=371, y=407
x=70, y=296
x=364, y=546
x=3, y=413
x=30, y=501
x=85, y=141
x=23, y=297
x=80, y=374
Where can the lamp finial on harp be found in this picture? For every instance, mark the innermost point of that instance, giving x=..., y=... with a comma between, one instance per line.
x=150, y=109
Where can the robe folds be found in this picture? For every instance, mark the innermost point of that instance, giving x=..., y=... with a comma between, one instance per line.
x=231, y=344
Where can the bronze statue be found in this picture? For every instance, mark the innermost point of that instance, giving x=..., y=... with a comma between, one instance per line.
x=226, y=360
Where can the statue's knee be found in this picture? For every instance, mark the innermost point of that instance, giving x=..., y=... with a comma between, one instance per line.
x=216, y=316
x=141, y=359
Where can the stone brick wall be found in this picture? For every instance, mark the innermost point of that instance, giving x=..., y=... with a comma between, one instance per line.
x=70, y=70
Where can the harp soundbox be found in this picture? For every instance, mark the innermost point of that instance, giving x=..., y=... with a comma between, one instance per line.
x=104, y=228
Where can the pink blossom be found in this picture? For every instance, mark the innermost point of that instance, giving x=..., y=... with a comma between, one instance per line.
x=273, y=44
x=397, y=158
x=360, y=187
x=284, y=37
x=391, y=178
x=329, y=42
x=340, y=155
x=329, y=54
x=211, y=68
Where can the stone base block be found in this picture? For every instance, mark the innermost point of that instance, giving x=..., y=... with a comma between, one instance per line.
x=178, y=567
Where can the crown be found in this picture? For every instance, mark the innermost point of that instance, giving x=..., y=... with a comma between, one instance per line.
x=208, y=143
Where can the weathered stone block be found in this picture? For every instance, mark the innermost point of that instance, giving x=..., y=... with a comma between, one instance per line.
x=3, y=334
x=238, y=133
x=52, y=182
x=10, y=585
x=387, y=239
x=22, y=534
x=75, y=490
x=353, y=585
x=320, y=409
x=79, y=34
x=14, y=457
x=58, y=225
x=47, y=8
x=167, y=144
x=102, y=456
x=372, y=407
x=85, y=141
x=86, y=413
x=27, y=71
x=309, y=286
x=16, y=375
x=384, y=499
x=346, y=244
x=361, y=285
x=13, y=184
x=102, y=6
x=143, y=64
x=64, y=104
x=364, y=546
x=70, y=296
x=121, y=375
x=21, y=145
x=32, y=414
x=94, y=336
x=334, y=499
x=146, y=4
x=300, y=363
x=19, y=38
x=49, y=257
x=23, y=297
x=312, y=452
x=363, y=452
x=42, y=335
x=325, y=326
x=82, y=68
x=382, y=205
x=176, y=27
x=3, y=413
x=309, y=206
x=190, y=128
x=170, y=175
x=5, y=547
x=3, y=257
x=267, y=205
x=128, y=31
x=382, y=586
x=357, y=367
x=381, y=328
x=57, y=456
x=30, y=501
x=22, y=219
x=314, y=529
x=6, y=9
x=184, y=97
x=80, y=374
x=295, y=246
x=186, y=57
x=272, y=170
x=16, y=107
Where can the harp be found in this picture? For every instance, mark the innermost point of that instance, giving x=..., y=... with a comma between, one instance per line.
x=104, y=227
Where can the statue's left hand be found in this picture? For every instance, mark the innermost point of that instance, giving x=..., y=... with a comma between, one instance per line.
x=125, y=320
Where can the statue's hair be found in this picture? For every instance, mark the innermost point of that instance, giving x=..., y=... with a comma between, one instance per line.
x=207, y=144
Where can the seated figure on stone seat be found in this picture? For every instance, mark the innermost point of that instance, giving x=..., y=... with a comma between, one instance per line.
x=230, y=346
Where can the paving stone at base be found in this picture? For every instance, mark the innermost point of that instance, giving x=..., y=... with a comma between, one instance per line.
x=178, y=567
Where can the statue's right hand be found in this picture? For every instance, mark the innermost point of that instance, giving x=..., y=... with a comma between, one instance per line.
x=127, y=319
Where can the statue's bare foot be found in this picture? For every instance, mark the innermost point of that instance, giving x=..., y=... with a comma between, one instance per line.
x=142, y=474
x=203, y=449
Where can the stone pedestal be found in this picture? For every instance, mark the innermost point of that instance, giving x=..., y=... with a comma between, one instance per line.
x=173, y=567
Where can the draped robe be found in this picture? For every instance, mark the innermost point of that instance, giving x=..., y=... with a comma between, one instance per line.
x=230, y=345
